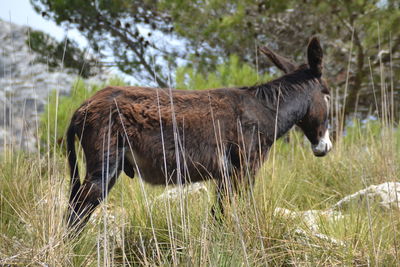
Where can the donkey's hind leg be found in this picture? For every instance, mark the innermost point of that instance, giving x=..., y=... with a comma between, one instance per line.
x=100, y=178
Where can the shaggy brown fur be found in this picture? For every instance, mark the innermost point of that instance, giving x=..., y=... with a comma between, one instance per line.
x=174, y=137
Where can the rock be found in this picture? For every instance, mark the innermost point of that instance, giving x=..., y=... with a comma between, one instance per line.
x=308, y=237
x=310, y=218
x=386, y=195
x=183, y=191
x=24, y=88
x=310, y=232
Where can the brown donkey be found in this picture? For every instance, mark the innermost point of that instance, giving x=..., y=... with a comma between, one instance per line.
x=174, y=137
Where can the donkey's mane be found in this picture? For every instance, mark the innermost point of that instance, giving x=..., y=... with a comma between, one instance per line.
x=285, y=86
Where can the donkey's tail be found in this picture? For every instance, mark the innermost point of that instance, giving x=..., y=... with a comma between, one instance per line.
x=73, y=166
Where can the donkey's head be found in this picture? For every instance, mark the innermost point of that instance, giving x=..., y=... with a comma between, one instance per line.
x=315, y=121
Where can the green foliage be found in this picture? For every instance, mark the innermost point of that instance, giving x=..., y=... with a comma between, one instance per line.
x=57, y=54
x=55, y=119
x=228, y=74
x=125, y=28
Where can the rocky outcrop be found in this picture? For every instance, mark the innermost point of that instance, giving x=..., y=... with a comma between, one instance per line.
x=24, y=88
x=385, y=196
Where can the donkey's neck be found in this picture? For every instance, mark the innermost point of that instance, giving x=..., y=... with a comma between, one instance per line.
x=287, y=100
x=289, y=112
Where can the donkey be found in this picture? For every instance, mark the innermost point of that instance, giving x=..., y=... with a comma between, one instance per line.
x=170, y=136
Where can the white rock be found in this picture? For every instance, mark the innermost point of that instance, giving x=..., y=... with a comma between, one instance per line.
x=307, y=237
x=310, y=218
x=386, y=195
x=177, y=192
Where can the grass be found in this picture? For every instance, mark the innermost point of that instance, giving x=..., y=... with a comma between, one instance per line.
x=134, y=228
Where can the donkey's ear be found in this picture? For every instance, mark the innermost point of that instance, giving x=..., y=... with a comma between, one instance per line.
x=314, y=54
x=280, y=62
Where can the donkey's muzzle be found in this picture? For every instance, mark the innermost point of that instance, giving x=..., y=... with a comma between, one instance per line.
x=323, y=147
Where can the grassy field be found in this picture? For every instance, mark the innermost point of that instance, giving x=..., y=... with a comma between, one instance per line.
x=133, y=227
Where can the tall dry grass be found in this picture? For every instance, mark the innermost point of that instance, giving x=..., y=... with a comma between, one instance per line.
x=134, y=227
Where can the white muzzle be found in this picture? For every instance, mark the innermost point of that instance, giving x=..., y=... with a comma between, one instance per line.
x=323, y=147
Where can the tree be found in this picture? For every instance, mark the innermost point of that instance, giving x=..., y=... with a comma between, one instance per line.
x=61, y=54
x=129, y=30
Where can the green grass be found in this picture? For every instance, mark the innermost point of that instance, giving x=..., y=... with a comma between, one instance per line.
x=132, y=227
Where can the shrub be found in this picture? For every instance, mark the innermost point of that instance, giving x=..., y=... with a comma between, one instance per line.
x=228, y=74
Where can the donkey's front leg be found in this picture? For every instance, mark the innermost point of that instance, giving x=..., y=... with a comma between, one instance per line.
x=244, y=184
x=227, y=186
x=239, y=183
x=223, y=189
